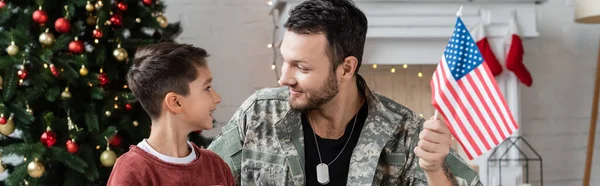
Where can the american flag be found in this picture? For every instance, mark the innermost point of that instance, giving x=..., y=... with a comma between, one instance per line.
x=465, y=93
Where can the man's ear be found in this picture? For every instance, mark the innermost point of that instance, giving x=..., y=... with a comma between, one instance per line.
x=349, y=67
x=173, y=102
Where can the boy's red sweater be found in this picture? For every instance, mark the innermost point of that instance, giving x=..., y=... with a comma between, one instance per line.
x=137, y=167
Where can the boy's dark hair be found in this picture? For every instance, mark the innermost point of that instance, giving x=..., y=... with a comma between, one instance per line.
x=344, y=25
x=162, y=68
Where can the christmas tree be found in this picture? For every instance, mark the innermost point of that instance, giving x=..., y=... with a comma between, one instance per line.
x=65, y=108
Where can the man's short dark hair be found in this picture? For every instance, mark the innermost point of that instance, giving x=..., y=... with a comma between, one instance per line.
x=344, y=25
x=162, y=68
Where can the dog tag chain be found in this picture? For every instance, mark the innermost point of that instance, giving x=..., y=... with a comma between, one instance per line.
x=322, y=168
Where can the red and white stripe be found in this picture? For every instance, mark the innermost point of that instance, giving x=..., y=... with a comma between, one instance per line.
x=474, y=108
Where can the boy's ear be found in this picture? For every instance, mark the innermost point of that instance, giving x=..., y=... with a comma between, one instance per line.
x=173, y=102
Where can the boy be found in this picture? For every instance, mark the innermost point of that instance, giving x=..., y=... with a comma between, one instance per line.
x=173, y=84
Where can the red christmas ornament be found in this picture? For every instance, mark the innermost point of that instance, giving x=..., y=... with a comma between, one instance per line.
x=72, y=147
x=128, y=106
x=40, y=17
x=116, y=21
x=53, y=70
x=22, y=73
x=2, y=4
x=2, y=120
x=97, y=33
x=148, y=2
x=48, y=138
x=103, y=79
x=115, y=140
x=122, y=6
x=62, y=25
x=76, y=46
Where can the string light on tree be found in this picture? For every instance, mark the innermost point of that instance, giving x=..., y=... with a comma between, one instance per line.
x=393, y=70
x=405, y=66
x=420, y=74
x=99, y=5
x=374, y=66
x=270, y=3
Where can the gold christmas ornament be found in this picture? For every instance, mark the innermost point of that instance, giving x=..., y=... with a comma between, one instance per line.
x=108, y=158
x=35, y=169
x=89, y=7
x=47, y=39
x=12, y=49
x=9, y=127
x=91, y=20
x=162, y=21
x=28, y=110
x=1, y=166
x=120, y=53
x=83, y=71
x=66, y=94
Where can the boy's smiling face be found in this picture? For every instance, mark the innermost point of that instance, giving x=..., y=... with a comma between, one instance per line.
x=198, y=106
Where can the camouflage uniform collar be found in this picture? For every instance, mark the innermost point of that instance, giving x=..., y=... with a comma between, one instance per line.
x=376, y=133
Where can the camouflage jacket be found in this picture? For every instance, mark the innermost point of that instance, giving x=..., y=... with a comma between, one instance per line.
x=263, y=144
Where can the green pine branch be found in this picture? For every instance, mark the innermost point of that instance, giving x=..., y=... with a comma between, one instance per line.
x=87, y=153
x=52, y=93
x=10, y=84
x=20, y=114
x=24, y=149
x=17, y=176
x=69, y=160
x=91, y=119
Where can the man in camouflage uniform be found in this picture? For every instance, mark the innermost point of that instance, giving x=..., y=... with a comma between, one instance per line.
x=326, y=115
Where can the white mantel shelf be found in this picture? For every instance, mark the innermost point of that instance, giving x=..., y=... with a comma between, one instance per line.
x=407, y=31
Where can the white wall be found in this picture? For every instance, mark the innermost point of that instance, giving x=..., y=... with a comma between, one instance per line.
x=235, y=33
x=555, y=110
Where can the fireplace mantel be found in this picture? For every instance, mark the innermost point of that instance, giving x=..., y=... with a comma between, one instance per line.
x=416, y=32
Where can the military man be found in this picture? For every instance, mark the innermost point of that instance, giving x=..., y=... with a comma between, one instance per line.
x=325, y=126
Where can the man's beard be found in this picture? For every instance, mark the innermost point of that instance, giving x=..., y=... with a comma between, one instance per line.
x=316, y=99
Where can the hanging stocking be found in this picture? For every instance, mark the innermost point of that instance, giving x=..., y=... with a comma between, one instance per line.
x=514, y=57
x=480, y=38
